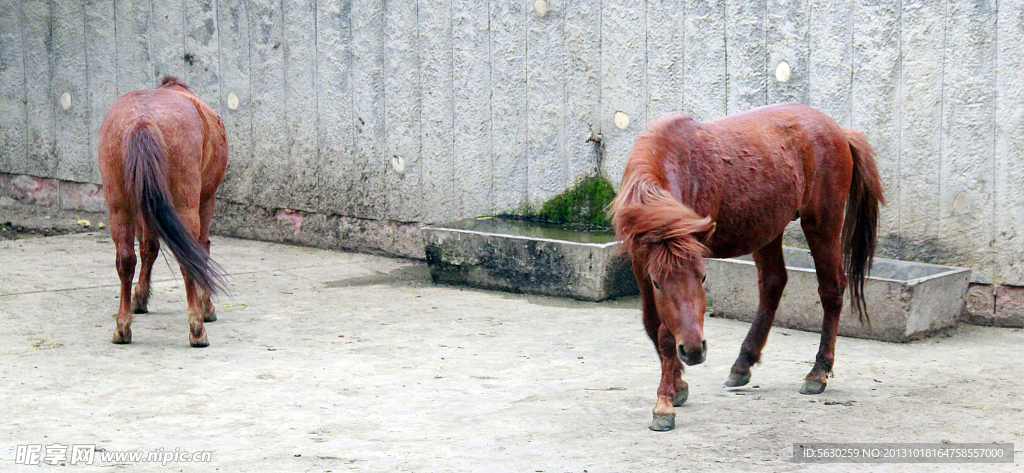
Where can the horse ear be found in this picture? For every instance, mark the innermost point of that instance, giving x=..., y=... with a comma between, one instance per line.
x=706, y=237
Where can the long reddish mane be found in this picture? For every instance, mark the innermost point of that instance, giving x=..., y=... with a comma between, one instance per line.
x=655, y=228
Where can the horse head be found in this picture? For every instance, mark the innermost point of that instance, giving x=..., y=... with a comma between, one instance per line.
x=666, y=241
x=680, y=302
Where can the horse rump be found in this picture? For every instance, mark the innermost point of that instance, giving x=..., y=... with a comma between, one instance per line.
x=146, y=180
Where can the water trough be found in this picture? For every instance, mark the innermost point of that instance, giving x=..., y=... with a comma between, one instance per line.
x=905, y=300
x=529, y=257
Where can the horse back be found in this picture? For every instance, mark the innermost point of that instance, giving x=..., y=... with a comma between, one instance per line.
x=754, y=172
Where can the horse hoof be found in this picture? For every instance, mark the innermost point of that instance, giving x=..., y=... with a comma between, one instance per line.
x=681, y=395
x=210, y=318
x=736, y=380
x=140, y=310
x=198, y=342
x=122, y=338
x=812, y=387
x=663, y=423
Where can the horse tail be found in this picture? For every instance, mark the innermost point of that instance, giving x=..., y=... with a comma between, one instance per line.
x=146, y=181
x=860, y=226
x=656, y=229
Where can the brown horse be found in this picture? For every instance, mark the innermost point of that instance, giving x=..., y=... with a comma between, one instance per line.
x=726, y=188
x=162, y=155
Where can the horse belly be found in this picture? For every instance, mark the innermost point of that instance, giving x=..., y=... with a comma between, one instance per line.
x=755, y=212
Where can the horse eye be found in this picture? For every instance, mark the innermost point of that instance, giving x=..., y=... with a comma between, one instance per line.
x=656, y=286
x=703, y=279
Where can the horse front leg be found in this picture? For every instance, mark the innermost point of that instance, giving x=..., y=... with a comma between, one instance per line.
x=672, y=391
x=771, y=280
x=122, y=231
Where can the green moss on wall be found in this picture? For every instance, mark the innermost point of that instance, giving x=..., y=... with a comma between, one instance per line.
x=582, y=204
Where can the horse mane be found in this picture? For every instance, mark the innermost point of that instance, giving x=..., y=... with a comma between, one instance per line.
x=169, y=81
x=656, y=230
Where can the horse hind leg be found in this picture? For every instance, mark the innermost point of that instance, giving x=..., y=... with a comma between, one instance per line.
x=828, y=264
x=206, y=210
x=195, y=295
x=209, y=313
x=771, y=280
x=196, y=330
x=205, y=304
x=193, y=292
x=149, y=248
x=123, y=234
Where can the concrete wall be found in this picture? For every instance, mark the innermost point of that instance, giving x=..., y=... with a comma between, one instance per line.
x=352, y=121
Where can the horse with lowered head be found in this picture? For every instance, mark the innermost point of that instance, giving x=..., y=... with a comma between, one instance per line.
x=728, y=187
x=162, y=155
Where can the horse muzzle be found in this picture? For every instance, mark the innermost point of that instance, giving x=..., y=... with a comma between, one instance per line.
x=693, y=357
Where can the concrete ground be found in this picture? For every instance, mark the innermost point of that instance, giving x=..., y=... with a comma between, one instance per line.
x=324, y=361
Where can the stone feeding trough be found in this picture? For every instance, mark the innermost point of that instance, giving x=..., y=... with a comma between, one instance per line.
x=905, y=301
x=515, y=255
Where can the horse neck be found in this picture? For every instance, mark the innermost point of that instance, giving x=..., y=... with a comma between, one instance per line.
x=681, y=167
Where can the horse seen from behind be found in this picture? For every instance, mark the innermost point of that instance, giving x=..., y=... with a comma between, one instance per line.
x=728, y=187
x=162, y=155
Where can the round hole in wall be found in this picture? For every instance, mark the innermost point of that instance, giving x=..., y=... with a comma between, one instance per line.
x=232, y=101
x=65, y=100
